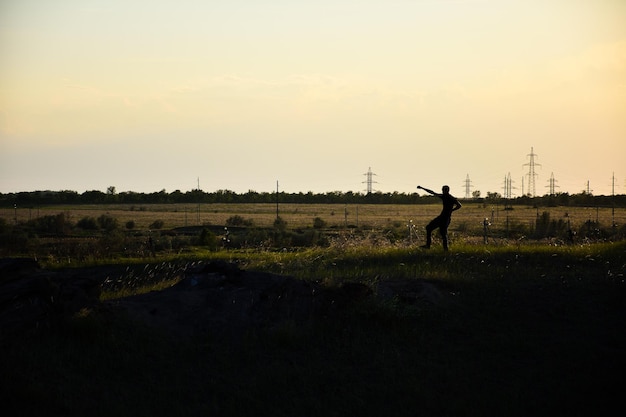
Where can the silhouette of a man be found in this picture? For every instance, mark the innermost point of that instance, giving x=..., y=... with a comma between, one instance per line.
x=450, y=204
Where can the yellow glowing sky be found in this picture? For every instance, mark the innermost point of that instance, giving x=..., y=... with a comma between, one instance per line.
x=151, y=95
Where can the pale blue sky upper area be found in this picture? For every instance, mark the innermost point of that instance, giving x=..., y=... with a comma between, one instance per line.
x=151, y=95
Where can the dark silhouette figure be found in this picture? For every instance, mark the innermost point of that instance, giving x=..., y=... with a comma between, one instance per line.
x=450, y=204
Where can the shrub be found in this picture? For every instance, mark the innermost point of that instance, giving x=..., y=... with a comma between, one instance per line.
x=238, y=220
x=87, y=223
x=57, y=224
x=319, y=223
x=280, y=225
x=112, y=243
x=209, y=239
x=130, y=225
x=107, y=222
x=157, y=224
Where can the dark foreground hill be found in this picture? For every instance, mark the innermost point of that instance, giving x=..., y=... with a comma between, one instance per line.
x=225, y=341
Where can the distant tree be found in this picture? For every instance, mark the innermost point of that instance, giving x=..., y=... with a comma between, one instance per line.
x=92, y=197
x=111, y=190
x=476, y=194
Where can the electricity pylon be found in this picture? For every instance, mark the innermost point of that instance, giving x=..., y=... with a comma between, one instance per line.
x=552, y=184
x=369, y=181
x=531, y=172
x=468, y=186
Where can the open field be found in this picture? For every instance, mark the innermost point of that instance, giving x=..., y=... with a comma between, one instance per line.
x=375, y=216
x=511, y=329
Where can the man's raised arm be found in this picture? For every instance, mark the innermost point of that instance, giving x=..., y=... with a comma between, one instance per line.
x=419, y=187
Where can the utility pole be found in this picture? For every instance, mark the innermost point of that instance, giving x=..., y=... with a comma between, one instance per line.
x=276, y=199
x=531, y=172
x=613, y=198
x=369, y=180
x=198, y=210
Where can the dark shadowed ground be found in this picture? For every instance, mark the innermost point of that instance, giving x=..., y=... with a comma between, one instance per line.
x=229, y=342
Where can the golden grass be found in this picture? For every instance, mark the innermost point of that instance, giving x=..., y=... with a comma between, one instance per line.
x=376, y=216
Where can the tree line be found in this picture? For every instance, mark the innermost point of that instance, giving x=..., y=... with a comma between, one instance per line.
x=43, y=198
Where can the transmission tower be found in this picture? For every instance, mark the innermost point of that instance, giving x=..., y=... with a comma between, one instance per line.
x=589, y=190
x=468, y=186
x=369, y=174
x=552, y=184
x=531, y=172
x=508, y=187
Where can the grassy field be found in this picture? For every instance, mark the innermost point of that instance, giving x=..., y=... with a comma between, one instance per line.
x=528, y=327
x=376, y=216
x=530, y=330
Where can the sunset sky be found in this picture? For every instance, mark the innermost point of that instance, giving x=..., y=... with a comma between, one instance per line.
x=151, y=95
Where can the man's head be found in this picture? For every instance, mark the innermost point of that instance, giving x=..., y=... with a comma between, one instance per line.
x=445, y=189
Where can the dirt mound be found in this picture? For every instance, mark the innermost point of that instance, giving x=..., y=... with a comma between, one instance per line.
x=32, y=298
x=220, y=298
x=214, y=298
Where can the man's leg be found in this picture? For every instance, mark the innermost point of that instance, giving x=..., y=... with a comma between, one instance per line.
x=429, y=233
x=443, y=229
x=444, y=237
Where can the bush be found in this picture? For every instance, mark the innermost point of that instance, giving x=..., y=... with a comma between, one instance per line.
x=280, y=225
x=157, y=224
x=107, y=222
x=112, y=243
x=319, y=223
x=130, y=225
x=238, y=220
x=87, y=223
x=209, y=239
x=58, y=224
